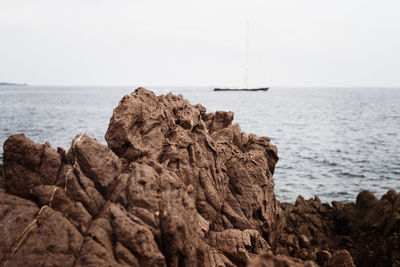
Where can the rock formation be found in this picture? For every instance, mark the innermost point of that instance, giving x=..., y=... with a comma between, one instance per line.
x=176, y=186
x=368, y=230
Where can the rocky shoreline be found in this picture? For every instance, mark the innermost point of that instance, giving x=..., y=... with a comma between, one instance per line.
x=176, y=186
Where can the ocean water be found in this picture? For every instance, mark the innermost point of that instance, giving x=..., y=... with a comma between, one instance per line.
x=332, y=142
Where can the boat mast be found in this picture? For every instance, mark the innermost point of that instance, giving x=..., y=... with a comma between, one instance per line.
x=247, y=55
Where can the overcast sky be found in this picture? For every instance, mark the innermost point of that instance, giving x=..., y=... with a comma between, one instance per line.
x=200, y=43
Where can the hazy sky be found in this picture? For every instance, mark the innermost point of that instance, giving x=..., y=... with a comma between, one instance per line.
x=292, y=42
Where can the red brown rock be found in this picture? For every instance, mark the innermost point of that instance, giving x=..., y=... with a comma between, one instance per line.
x=233, y=183
x=340, y=258
x=176, y=187
x=28, y=164
x=323, y=256
x=2, y=179
x=368, y=230
x=279, y=261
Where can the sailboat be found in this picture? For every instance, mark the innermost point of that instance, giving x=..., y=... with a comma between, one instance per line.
x=246, y=88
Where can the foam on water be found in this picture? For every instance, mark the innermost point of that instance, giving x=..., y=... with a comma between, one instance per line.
x=333, y=142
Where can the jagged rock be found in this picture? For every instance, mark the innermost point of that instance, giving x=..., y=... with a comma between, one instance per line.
x=181, y=231
x=239, y=245
x=176, y=186
x=221, y=120
x=96, y=160
x=323, y=256
x=278, y=261
x=303, y=241
x=16, y=213
x=59, y=201
x=28, y=164
x=233, y=183
x=2, y=179
x=136, y=237
x=368, y=229
x=340, y=258
x=29, y=234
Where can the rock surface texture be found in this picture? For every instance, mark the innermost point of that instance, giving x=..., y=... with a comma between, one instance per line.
x=176, y=186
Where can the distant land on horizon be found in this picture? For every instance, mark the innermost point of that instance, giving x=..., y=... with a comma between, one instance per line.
x=23, y=84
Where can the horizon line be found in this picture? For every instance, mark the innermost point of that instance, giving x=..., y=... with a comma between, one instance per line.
x=209, y=86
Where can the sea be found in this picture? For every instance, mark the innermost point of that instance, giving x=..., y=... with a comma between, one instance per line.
x=332, y=142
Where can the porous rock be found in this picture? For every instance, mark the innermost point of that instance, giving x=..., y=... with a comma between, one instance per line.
x=279, y=261
x=366, y=232
x=176, y=186
x=232, y=183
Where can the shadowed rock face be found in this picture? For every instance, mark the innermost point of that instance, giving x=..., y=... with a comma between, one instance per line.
x=174, y=187
x=368, y=229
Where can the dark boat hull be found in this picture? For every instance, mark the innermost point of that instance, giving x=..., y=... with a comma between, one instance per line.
x=241, y=89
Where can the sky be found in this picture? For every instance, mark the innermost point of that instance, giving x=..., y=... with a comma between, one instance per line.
x=350, y=43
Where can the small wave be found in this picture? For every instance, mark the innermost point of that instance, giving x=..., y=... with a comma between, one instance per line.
x=347, y=174
x=310, y=177
x=342, y=193
x=329, y=163
x=283, y=190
